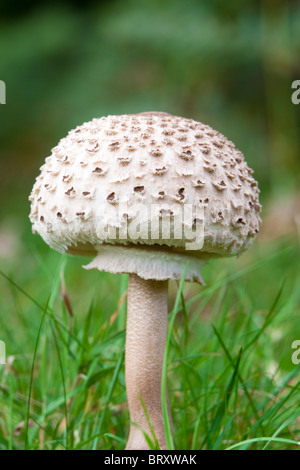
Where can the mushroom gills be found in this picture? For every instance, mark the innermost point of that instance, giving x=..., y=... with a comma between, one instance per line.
x=148, y=263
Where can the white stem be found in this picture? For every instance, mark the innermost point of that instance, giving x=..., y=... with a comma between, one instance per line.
x=146, y=332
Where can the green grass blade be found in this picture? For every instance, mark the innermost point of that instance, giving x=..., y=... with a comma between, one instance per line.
x=32, y=373
x=263, y=439
x=166, y=419
x=224, y=403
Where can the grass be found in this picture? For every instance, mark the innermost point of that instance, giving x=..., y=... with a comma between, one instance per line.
x=231, y=380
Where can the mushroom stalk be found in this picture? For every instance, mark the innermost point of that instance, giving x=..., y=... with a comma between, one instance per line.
x=146, y=333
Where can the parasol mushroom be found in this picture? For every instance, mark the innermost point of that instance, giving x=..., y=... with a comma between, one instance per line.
x=117, y=188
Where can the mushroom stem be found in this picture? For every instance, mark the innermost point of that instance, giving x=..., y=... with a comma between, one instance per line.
x=146, y=333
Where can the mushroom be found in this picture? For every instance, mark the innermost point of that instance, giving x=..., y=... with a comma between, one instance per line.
x=102, y=205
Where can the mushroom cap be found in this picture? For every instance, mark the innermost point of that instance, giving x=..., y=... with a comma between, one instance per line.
x=114, y=178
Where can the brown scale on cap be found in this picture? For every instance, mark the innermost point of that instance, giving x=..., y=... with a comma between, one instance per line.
x=139, y=189
x=197, y=183
x=124, y=160
x=99, y=171
x=93, y=149
x=220, y=186
x=186, y=154
x=71, y=192
x=156, y=152
x=112, y=198
x=181, y=138
x=160, y=171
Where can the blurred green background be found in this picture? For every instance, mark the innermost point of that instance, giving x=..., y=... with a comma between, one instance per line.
x=228, y=64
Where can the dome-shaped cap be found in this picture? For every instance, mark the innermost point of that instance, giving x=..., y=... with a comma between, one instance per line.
x=113, y=179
